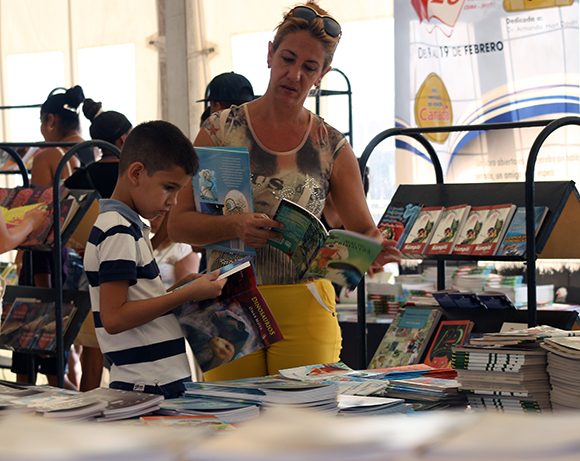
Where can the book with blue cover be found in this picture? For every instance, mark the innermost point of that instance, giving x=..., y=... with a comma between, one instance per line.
x=514, y=241
x=222, y=186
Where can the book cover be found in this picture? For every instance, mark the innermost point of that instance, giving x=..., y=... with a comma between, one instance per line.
x=446, y=233
x=231, y=326
x=493, y=229
x=406, y=339
x=449, y=334
x=470, y=230
x=398, y=219
x=339, y=255
x=514, y=241
x=422, y=231
x=30, y=325
x=222, y=186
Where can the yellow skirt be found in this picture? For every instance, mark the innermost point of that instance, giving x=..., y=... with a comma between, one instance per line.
x=306, y=314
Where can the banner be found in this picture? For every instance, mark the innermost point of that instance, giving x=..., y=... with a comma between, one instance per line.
x=466, y=62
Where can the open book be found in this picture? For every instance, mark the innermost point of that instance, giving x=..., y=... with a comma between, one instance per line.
x=234, y=324
x=16, y=202
x=222, y=187
x=339, y=255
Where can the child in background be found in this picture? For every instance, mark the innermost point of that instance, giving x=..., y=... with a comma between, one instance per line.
x=135, y=327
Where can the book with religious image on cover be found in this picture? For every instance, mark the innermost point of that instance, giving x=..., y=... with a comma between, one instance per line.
x=230, y=326
x=339, y=255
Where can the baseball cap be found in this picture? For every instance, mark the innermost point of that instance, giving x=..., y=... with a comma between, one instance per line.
x=229, y=87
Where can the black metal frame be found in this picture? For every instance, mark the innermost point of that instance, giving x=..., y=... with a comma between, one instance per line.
x=57, y=246
x=417, y=134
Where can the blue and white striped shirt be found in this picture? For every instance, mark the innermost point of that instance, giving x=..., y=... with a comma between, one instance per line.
x=119, y=249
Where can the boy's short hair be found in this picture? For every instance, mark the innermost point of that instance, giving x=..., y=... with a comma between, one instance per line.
x=159, y=145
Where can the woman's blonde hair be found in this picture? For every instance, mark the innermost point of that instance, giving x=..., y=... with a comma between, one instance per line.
x=292, y=24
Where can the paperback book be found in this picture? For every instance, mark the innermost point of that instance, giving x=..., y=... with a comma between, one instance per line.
x=446, y=233
x=493, y=229
x=514, y=241
x=398, y=219
x=231, y=326
x=422, y=231
x=222, y=186
x=450, y=333
x=470, y=230
x=339, y=255
x=406, y=339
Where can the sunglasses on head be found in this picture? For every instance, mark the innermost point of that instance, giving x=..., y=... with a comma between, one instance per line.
x=331, y=25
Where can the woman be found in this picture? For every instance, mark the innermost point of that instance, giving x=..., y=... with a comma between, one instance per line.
x=110, y=126
x=295, y=155
x=113, y=127
x=59, y=122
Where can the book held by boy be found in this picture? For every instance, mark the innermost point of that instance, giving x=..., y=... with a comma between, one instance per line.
x=230, y=326
x=339, y=255
x=222, y=186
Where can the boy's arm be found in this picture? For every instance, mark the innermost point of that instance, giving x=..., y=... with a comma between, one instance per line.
x=118, y=314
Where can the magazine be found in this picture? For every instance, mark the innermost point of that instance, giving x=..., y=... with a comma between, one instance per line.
x=339, y=255
x=231, y=326
x=222, y=187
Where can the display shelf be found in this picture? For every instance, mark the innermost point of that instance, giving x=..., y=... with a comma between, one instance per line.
x=557, y=237
x=57, y=294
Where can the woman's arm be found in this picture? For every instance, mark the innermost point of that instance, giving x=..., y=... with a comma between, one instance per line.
x=349, y=199
x=10, y=239
x=189, y=226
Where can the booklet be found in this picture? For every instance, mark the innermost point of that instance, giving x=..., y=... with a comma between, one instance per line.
x=230, y=326
x=339, y=255
x=222, y=187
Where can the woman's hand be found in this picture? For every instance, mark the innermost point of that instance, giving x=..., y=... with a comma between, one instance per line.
x=255, y=229
x=389, y=254
x=36, y=217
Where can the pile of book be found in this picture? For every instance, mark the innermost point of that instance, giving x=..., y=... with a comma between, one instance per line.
x=461, y=229
x=102, y=404
x=427, y=393
x=564, y=370
x=505, y=371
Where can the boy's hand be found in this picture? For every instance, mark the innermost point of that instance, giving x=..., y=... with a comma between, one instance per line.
x=255, y=229
x=207, y=286
x=184, y=280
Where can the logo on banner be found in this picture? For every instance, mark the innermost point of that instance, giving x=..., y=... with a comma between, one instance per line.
x=433, y=107
x=444, y=11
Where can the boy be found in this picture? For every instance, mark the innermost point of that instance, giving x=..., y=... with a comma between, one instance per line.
x=135, y=327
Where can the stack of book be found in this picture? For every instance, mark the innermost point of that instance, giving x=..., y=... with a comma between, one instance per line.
x=426, y=393
x=564, y=369
x=505, y=371
x=226, y=411
x=269, y=390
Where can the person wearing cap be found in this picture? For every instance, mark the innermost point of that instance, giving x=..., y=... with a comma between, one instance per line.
x=225, y=90
x=296, y=155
